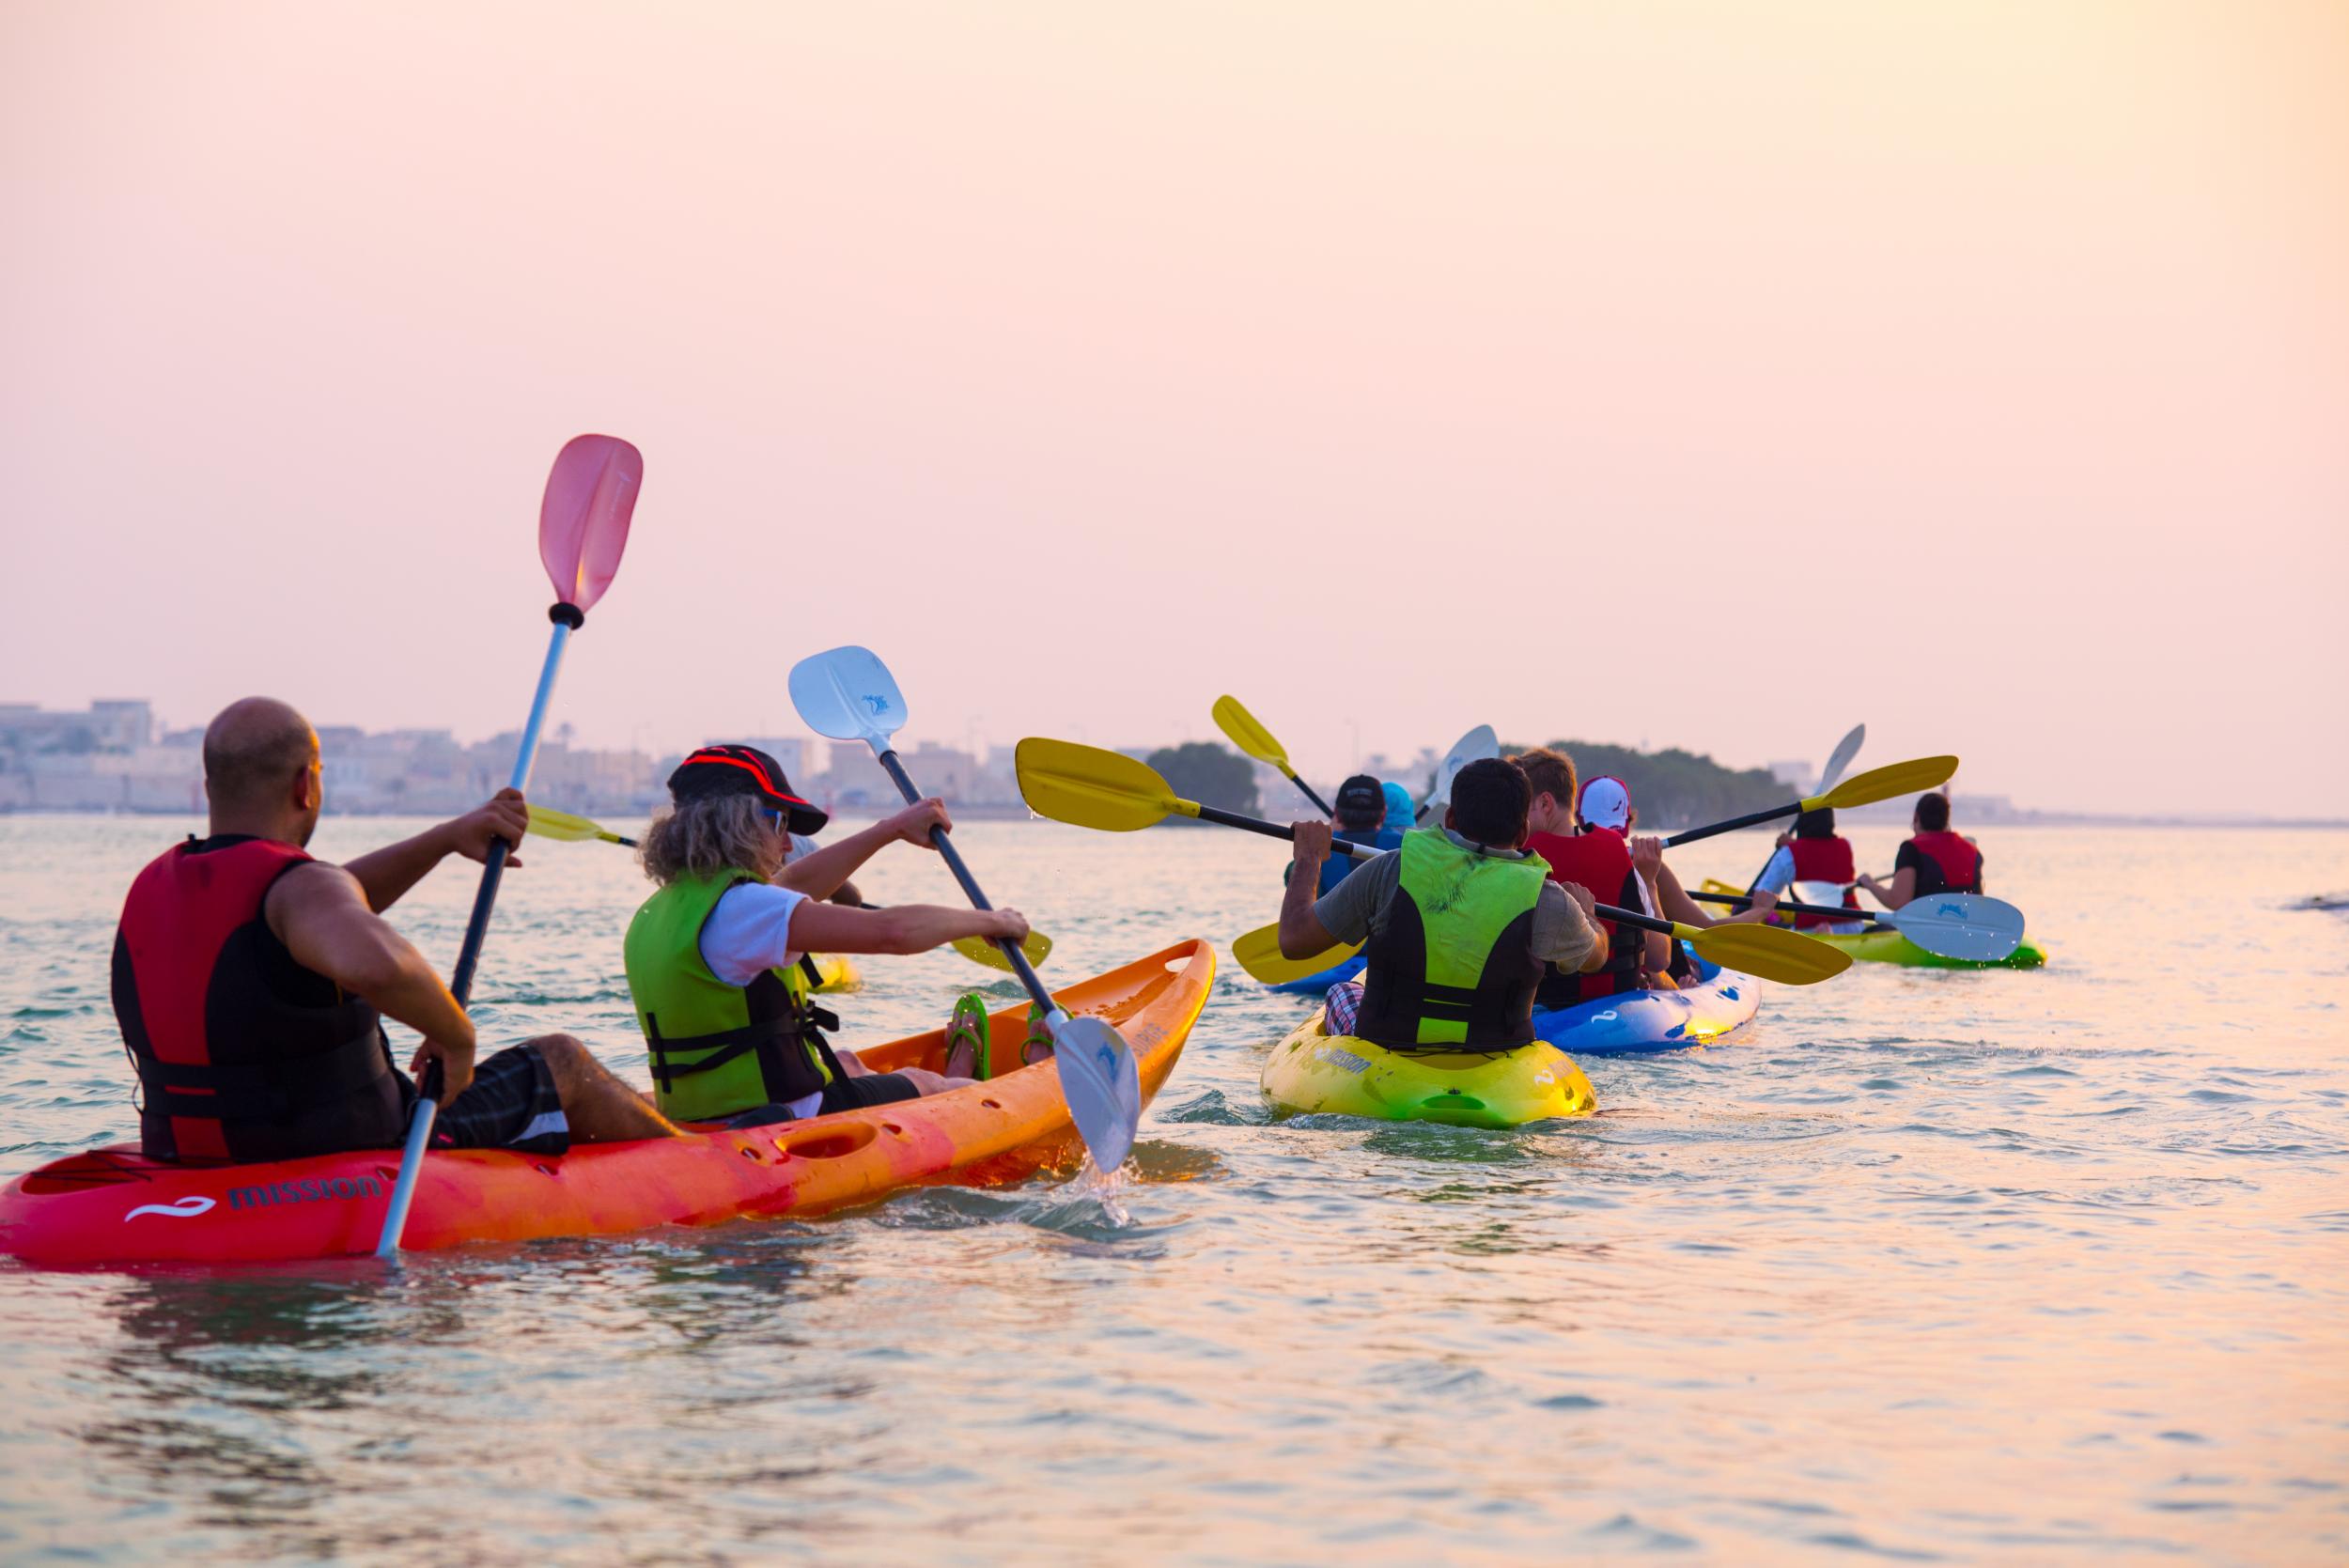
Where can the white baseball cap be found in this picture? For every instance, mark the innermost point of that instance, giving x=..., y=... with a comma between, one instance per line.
x=1605, y=803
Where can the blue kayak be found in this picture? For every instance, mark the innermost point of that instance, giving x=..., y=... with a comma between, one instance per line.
x=1634, y=1024
x=1642, y=1023
x=1313, y=984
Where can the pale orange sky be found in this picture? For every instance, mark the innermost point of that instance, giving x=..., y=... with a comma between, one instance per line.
x=1395, y=367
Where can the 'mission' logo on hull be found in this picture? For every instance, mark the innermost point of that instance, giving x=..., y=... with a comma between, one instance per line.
x=334, y=1189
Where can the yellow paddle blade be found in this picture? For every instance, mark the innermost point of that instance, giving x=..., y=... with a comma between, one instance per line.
x=1252, y=737
x=1768, y=951
x=1259, y=953
x=549, y=823
x=1093, y=788
x=1037, y=948
x=1882, y=784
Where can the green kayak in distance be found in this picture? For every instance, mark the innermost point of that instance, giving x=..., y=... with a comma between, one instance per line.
x=1881, y=944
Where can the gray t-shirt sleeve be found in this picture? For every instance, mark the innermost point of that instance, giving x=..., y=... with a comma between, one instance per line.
x=1350, y=910
x=1561, y=934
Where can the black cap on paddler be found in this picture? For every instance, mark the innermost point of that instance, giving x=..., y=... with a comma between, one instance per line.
x=715, y=771
x=1361, y=800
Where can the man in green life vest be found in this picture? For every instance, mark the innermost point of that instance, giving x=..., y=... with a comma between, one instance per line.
x=1461, y=921
x=714, y=955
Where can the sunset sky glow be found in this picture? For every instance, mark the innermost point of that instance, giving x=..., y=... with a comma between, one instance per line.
x=1711, y=375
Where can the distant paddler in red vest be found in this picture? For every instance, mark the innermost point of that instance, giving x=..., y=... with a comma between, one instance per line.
x=1933, y=861
x=1816, y=863
x=1597, y=860
x=250, y=982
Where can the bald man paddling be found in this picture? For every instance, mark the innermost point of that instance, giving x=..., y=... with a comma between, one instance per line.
x=251, y=983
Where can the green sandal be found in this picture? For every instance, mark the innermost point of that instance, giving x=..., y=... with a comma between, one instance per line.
x=1038, y=1046
x=966, y=1038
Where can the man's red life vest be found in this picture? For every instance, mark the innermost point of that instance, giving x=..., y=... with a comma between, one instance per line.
x=1600, y=862
x=1959, y=861
x=241, y=1053
x=1824, y=859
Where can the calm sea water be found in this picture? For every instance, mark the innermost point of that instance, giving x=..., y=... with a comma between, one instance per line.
x=2044, y=1267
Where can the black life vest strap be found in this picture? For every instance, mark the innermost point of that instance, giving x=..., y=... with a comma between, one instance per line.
x=768, y=1037
x=723, y=1047
x=254, y=1091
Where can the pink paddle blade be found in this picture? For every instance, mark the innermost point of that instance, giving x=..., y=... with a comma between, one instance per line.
x=582, y=523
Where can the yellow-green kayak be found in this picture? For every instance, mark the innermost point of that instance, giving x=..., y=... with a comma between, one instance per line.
x=1310, y=1071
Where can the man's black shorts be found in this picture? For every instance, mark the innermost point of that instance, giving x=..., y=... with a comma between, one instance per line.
x=510, y=1104
x=854, y=1094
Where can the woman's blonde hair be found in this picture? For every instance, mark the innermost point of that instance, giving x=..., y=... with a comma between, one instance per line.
x=710, y=837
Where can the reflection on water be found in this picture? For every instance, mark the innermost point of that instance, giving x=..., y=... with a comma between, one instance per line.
x=2048, y=1266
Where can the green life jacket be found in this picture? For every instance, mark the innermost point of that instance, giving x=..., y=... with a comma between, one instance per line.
x=1454, y=963
x=717, y=1048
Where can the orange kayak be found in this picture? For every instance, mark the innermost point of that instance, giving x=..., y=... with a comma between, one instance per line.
x=113, y=1205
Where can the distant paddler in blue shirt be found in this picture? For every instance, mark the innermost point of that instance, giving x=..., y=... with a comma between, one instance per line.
x=1402, y=815
x=714, y=957
x=1359, y=817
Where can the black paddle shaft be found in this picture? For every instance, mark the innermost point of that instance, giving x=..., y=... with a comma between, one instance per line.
x=1319, y=804
x=1752, y=819
x=947, y=852
x=477, y=928
x=1738, y=902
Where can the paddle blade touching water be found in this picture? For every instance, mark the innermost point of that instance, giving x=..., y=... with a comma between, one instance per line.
x=848, y=693
x=582, y=521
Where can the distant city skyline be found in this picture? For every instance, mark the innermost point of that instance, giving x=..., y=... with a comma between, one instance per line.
x=116, y=753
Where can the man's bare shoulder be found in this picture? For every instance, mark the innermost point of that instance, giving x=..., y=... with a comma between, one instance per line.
x=312, y=888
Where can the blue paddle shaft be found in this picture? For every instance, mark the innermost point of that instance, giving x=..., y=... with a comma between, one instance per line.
x=410, y=1161
x=493, y=868
x=565, y=619
x=939, y=841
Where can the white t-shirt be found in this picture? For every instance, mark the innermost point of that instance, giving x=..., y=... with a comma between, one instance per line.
x=1779, y=875
x=747, y=934
x=750, y=932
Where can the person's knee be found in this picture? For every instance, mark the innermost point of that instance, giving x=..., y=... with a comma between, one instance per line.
x=566, y=1057
x=929, y=1082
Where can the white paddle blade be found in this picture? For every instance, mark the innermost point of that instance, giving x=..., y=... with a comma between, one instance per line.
x=1475, y=746
x=1847, y=750
x=848, y=694
x=1968, y=925
x=1102, y=1086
